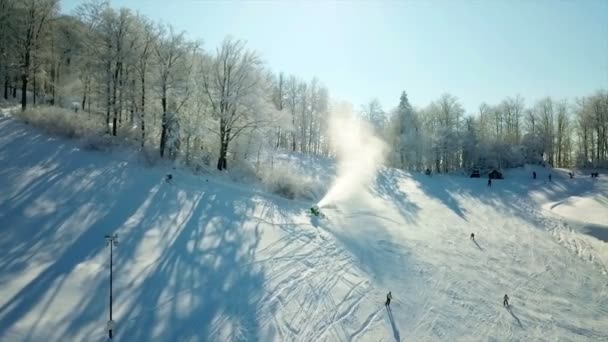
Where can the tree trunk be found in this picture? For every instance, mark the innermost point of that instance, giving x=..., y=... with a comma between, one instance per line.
x=592, y=146
x=222, y=162
x=120, y=95
x=143, y=131
x=133, y=103
x=598, y=141
x=53, y=72
x=585, y=146
x=25, y=73
x=437, y=163
x=303, y=135
x=6, y=85
x=225, y=155
x=115, y=99
x=163, y=133
x=143, y=108
x=89, y=96
x=84, y=96
x=604, y=139
x=108, y=95
x=310, y=134
x=34, y=90
x=34, y=78
x=188, y=137
x=24, y=80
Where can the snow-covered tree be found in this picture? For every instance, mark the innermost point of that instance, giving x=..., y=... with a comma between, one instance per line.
x=173, y=55
x=545, y=123
x=406, y=135
x=470, y=144
x=373, y=113
x=147, y=36
x=230, y=80
x=7, y=44
x=33, y=19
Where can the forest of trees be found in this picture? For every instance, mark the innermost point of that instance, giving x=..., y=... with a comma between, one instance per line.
x=509, y=134
x=141, y=80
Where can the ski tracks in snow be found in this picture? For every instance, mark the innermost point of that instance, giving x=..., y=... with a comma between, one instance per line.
x=315, y=291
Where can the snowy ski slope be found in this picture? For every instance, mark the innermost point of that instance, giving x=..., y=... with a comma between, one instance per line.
x=217, y=261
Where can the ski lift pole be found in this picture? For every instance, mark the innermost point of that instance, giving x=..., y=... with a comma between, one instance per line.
x=111, y=240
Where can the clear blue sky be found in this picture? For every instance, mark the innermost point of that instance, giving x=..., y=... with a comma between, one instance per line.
x=476, y=50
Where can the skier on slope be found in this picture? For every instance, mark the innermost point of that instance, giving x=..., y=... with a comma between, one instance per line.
x=472, y=236
x=505, y=301
x=534, y=174
x=389, y=296
x=489, y=181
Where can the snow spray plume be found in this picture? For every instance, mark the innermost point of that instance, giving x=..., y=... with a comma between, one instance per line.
x=359, y=154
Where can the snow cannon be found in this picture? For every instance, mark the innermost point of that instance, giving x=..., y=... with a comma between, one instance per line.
x=315, y=211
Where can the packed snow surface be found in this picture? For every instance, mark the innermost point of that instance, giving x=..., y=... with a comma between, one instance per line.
x=590, y=209
x=213, y=260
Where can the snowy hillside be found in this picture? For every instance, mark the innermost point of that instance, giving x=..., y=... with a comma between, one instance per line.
x=203, y=259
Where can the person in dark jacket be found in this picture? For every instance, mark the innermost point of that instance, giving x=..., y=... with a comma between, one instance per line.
x=489, y=181
x=472, y=236
x=533, y=174
x=505, y=301
x=389, y=296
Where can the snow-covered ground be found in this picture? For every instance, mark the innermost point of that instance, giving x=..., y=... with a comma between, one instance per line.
x=203, y=259
x=591, y=209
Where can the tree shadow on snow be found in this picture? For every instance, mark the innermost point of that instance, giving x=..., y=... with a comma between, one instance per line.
x=57, y=216
x=203, y=279
x=515, y=196
x=441, y=188
x=387, y=187
x=512, y=195
x=202, y=285
x=195, y=283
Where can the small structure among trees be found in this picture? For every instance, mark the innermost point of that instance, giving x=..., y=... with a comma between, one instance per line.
x=495, y=174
